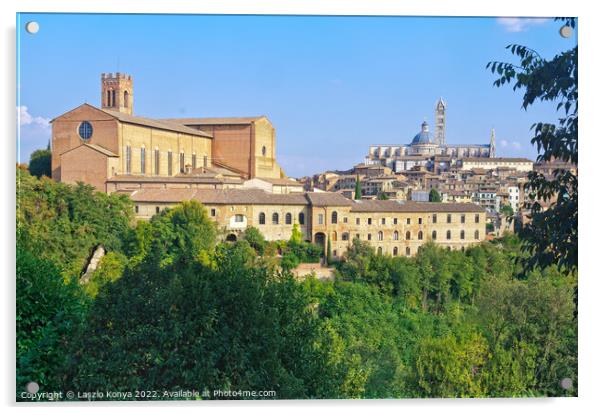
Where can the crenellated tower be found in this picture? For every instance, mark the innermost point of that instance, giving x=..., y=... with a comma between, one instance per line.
x=117, y=92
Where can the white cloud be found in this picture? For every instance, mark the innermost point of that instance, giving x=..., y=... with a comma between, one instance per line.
x=520, y=24
x=504, y=143
x=516, y=145
x=25, y=118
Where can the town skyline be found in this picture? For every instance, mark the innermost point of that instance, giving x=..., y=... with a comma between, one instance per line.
x=362, y=103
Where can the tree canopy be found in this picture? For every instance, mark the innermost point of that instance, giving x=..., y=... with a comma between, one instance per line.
x=551, y=236
x=172, y=307
x=434, y=196
x=40, y=163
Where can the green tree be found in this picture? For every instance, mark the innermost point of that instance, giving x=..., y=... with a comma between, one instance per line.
x=434, y=196
x=449, y=367
x=296, y=235
x=181, y=236
x=289, y=261
x=551, y=236
x=382, y=196
x=110, y=269
x=358, y=188
x=254, y=330
x=49, y=312
x=361, y=336
x=255, y=238
x=506, y=210
x=40, y=163
x=532, y=321
x=64, y=223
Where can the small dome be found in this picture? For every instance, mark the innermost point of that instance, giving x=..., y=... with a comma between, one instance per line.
x=423, y=137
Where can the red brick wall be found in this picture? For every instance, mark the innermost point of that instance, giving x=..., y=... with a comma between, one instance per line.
x=65, y=134
x=85, y=165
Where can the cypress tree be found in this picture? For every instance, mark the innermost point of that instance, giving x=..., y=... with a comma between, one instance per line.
x=358, y=188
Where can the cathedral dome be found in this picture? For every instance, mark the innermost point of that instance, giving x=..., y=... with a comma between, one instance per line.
x=423, y=137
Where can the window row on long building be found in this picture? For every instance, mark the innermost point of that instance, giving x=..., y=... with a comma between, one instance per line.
x=334, y=219
x=395, y=236
x=156, y=161
x=275, y=220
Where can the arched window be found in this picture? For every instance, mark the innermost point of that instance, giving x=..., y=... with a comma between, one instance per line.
x=448, y=236
x=434, y=235
x=420, y=235
x=169, y=163
x=408, y=235
x=108, y=98
x=143, y=160
x=301, y=218
x=262, y=218
x=113, y=98
x=182, y=162
x=380, y=250
x=288, y=219
x=334, y=217
x=408, y=252
x=126, y=99
x=461, y=234
x=380, y=235
x=334, y=236
x=476, y=234
x=275, y=218
x=395, y=251
x=157, y=161
x=128, y=160
x=345, y=236
x=395, y=236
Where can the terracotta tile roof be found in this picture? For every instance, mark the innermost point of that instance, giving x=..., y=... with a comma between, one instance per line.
x=498, y=159
x=215, y=120
x=280, y=182
x=407, y=206
x=173, y=179
x=327, y=199
x=159, y=124
x=95, y=147
x=210, y=172
x=260, y=197
x=214, y=196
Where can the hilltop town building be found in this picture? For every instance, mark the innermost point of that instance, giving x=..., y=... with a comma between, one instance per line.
x=104, y=145
x=229, y=165
x=391, y=227
x=426, y=150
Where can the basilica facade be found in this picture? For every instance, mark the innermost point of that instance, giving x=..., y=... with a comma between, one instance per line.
x=428, y=150
x=105, y=145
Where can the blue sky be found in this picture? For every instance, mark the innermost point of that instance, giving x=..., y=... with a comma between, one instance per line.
x=330, y=85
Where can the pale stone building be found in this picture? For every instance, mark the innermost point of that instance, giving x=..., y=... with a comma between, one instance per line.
x=428, y=151
x=392, y=227
x=229, y=165
x=109, y=145
x=514, y=163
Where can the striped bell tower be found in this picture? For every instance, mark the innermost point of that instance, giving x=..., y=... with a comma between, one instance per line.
x=440, y=122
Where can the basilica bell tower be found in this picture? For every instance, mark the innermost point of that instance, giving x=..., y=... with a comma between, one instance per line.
x=117, y=92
